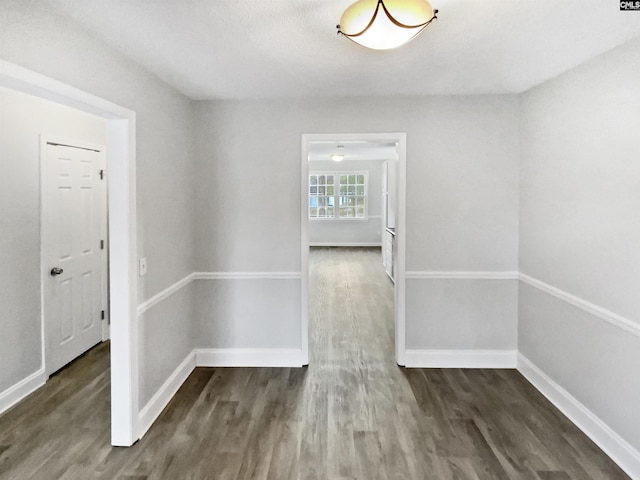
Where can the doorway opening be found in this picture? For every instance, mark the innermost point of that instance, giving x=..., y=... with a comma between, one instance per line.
x=334, y=196
x=121, y=123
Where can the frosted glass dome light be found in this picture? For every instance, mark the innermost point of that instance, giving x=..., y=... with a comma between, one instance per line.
x=385, y=24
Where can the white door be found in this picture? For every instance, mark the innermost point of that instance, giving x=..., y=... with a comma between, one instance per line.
x=74, y=215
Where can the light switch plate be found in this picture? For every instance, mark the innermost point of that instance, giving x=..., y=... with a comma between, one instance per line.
x=142, y=266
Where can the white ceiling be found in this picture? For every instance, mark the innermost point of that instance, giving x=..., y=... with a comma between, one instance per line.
x=289, y=48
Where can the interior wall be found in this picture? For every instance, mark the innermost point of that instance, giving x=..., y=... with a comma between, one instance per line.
x=351, y=232
x=23, y=119
x=37, y=38
x=579, y=235
x=462, y=198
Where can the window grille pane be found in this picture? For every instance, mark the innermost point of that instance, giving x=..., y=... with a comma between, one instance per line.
x=347, y=212
x=342, y=195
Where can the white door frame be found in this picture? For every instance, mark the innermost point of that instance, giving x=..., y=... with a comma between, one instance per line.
x=401, y=229
x=121, y=161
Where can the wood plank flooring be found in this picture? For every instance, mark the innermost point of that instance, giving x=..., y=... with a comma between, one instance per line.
x=352, y=414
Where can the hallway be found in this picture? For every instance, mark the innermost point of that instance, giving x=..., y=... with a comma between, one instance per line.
x=352, y=414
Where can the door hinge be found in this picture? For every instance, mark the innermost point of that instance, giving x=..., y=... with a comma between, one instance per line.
x=102, y=315
x=101, y=244
x=101, y=174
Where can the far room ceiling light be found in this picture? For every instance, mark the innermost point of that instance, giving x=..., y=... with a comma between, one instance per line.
x=385, y=24
x=339, y=156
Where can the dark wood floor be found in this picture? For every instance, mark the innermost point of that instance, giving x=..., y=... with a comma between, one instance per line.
x=352, y=414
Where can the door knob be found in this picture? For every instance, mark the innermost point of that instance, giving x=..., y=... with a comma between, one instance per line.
x=56, y=271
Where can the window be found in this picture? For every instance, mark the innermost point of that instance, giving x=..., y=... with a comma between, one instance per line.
x=321, y=196
x=338, y=195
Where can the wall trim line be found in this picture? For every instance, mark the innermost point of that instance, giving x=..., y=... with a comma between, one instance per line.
x=620, y=451
x=591, y=308
x=461, y=275
x=20, y=390
x=183, y=282
x=461, y=358
x=345, y=244
x=154, y=407
x=166, y=293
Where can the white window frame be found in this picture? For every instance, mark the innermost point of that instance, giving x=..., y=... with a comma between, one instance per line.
x=317, y=195
x=336, y=195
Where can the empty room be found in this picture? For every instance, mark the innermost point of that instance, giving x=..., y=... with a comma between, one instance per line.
x=320, y=239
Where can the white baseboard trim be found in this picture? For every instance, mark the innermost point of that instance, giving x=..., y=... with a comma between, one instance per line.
x=461, y=275
x=345, y=244
x=606, y=438
x=24, y=387
x=460, y=358
x=247, y=275
x=248, y=357
x=165, y=393
x=212, y=357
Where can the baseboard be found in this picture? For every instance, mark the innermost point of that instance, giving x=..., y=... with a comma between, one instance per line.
x=17, y=392
x=345, y=244
x=460, y=358
x=241, y=357
x=165, y=393
x=602, y=435
x=213, y=357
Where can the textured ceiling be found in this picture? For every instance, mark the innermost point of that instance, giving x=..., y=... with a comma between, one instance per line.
x=289, y=48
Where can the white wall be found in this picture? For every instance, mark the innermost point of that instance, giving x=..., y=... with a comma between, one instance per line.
x=40, y=40
x=351, y=232
x=579, y=233
x=23, y=119
x=242, y=313
x=462, y=198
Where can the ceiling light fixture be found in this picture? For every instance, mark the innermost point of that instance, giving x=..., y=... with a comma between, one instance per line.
x=382, y=25
x=338, y=157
